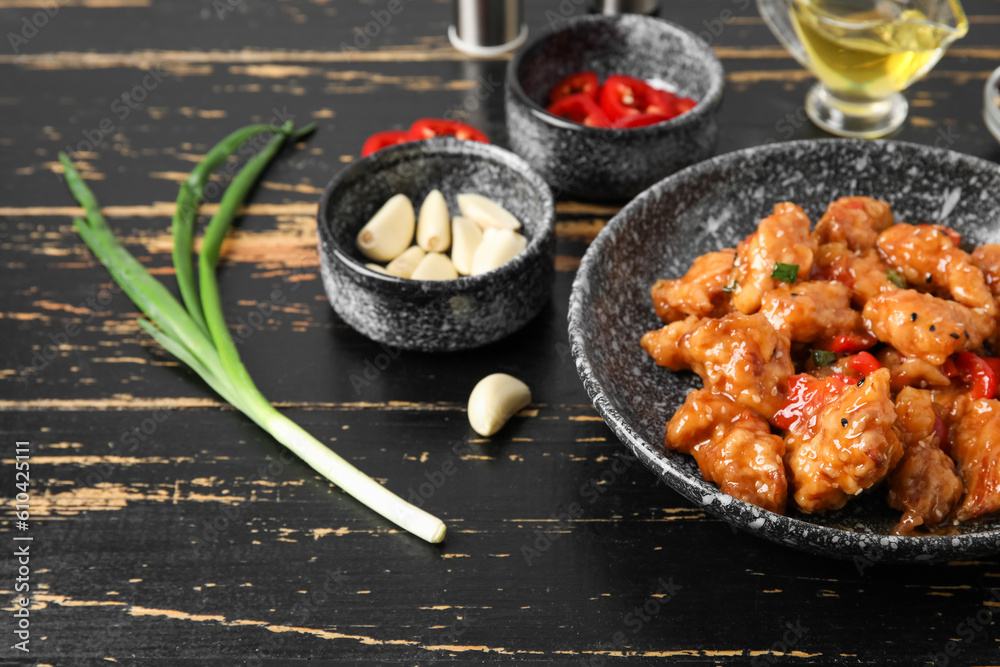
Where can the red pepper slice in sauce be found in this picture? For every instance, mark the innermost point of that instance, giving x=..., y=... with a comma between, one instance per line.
x=978, y=373
x=864, y=363
x=428, y=128
x=580, y=109
x=806, y=397
x=580, y=83
x=381, y=140
x=849, y=343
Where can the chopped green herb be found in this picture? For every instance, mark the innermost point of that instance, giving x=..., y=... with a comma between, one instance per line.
x=731, y=287
x=785, y=272
x=823, y=357
x=896, y=278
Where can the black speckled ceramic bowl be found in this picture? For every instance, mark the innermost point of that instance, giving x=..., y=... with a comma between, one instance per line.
x=436, y=316
x=607, y=164
x=714, y=205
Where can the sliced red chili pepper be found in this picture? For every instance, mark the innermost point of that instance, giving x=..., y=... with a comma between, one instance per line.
x=806, y=396
x=580, y=109
x=624, y=96
x=640, y=120
x=685, y=104
x=850, y=343
x=949, y=369
x=581, y=83
x=977, y=373
x=428, y=128
x=994, y=363
x=381, y=140
x=661, y=102
x=944, y=438
x=864, y=363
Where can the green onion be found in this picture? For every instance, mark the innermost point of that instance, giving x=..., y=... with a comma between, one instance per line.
x=196, y=332
x=823, y=357
x=731, y=287
x=896, y=278
x=785, y=272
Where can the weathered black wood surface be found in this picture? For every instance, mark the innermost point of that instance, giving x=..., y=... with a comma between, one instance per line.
x=170, y=530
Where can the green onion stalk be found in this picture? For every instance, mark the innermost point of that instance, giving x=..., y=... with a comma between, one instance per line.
x=196, y=333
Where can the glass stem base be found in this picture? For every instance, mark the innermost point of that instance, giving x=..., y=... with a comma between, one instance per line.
x=855, y=117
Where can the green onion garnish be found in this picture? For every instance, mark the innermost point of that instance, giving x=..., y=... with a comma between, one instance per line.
x=731, y=287
x=196, y=332
x=896, y=278
x=823, y=357
x=785, y=272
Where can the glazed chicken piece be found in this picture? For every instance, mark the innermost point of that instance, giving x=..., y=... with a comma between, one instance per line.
x=664, y=345
x=733, y=447
x=781, y=237
x=975, y=445
x=925, y=326
x=743, y=357
x=929, y=259
x=864, y=272
x=987, y=258
x=854, y=221
x=924, y=485
x=911, y=371
x=812, y=310
x=699, y=292
x=852, y=448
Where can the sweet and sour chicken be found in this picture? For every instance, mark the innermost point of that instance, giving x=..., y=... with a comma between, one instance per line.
x=855, y=357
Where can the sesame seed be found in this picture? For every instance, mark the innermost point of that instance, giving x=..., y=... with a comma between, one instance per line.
x=955, y=336
x=843, y=422
x=861, y=382
x=913, y=317
x=929, y=278
x=933, y=328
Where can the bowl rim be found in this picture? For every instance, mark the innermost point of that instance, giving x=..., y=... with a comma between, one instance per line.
x=439, y=146
x=705, y=106
x=991, y=112
x=771, y=526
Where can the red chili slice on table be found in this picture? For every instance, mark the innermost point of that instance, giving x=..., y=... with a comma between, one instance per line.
x=428, y=128
x=581, y=109
x=580, y=83
x=978, y=373
x=381, y=140
x=640, y=120
x=625, y=96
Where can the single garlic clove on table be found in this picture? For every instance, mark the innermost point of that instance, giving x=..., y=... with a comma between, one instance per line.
x=486, y=212
x=433, y=225
x=499, y=246
x=404, y=265
x=390, y=230
x=466, y=237
x=434, y=266
x=494, y=400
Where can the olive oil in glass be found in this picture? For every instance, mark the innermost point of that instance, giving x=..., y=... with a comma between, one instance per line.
x=864, y=53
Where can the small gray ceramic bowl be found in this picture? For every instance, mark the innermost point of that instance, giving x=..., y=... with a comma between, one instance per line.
x=436, y=316
x=607, y=164
x=714, y=205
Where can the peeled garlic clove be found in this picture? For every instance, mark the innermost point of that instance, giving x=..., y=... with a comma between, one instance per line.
x=389, y=232
x=377, y=268
x=499, y=246
x=434, y=266
x=433, y=225
x=486, y=212
x=404, y=265
x=465, y=238
x=494, y=400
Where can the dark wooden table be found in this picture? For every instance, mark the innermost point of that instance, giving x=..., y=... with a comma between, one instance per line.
x=168, y=529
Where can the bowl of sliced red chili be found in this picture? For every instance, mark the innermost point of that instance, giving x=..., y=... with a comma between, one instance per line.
x=603, y=107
